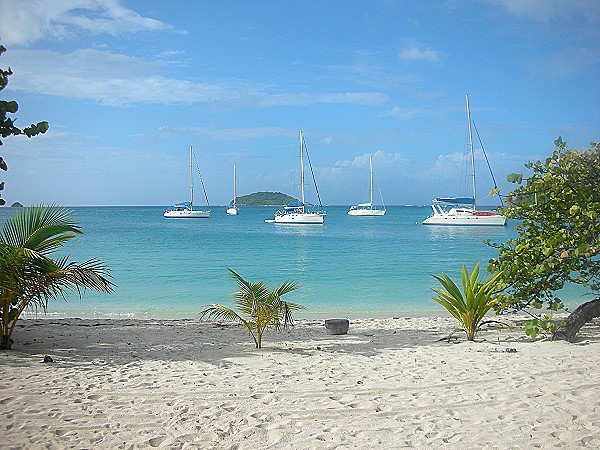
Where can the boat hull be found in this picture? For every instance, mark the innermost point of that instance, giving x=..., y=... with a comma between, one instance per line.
x=232, y=211
x=366, y=212
x=300, y=218
x=187, y=214
x=466, y=220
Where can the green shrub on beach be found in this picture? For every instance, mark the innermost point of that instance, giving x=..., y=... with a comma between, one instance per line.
x=28, y=276
x=557, y=209
x=471, y=305
x=260, y=308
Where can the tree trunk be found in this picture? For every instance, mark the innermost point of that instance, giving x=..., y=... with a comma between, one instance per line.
x=6, y=342
x=578, y=318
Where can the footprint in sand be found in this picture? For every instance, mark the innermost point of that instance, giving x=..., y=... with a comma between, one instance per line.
x=5, y=400
x=156, y=441
x=267, y=397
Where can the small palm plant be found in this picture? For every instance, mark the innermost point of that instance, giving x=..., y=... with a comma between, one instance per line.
x=260, y=308
x=470, y=306
x=29, y=277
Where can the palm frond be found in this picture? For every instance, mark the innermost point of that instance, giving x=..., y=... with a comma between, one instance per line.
x=221, y=312
x=240, y=281
x=288, y=317
x=286, y=288
x=43, y=229
x=91, y=274
x=474, y=278
x=449, y=285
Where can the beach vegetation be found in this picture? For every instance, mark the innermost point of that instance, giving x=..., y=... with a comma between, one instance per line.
x=7, y=123
x=470, y=305
x=259, y=308
x=29, y=276
x=557, y=208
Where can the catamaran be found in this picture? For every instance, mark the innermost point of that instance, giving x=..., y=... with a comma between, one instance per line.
x=301, y=212
x=463, y=210
x=185, y=210
x=368, y=209
x=233, y=209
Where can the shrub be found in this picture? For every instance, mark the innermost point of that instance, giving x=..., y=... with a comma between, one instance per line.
x=260, y=308
x=471, y=305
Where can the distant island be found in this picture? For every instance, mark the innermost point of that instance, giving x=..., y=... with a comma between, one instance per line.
x=265, y=199
x=16, y=205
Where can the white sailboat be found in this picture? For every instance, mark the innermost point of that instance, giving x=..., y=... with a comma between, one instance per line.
x=233, y=209
x=185, y=210
x=300, y=212
x=463, y=210
x=368, y=209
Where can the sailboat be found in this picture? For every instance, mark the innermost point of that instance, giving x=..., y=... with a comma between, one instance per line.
x=300, y=212
x=463, y=210
x=185, y=210
x=368, y=209
x=233, y=209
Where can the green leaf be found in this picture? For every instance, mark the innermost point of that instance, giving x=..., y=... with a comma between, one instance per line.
x=531, y=329
x=10, y=107
x=515, y=178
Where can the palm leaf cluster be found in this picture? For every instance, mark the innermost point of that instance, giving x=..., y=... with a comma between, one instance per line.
x=471, y=305
x=259, y=308
x=29, y=276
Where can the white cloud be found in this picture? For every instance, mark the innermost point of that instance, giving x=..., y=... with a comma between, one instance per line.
x=380, y=158
x=116, y=79
x=23, y=24
x=107, y=78
x=171, y=53
x=452, y=165
x=403, y=113
x=414, y=53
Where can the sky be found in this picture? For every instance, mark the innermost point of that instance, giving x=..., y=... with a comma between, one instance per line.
x=128, y=86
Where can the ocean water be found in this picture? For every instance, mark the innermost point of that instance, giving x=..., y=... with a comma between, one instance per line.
x=348, y=267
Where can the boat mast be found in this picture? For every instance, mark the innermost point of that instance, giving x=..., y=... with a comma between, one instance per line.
x=301, y=169
x=191, y=181
x=472, y=154
x=371, y=178
x=234, y=187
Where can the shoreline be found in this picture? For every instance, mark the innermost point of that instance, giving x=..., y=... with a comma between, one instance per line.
x=301, y=315
x=58, y=315
x=388, y=383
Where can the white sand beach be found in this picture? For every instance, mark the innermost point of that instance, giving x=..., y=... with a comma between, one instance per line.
x=388, y=383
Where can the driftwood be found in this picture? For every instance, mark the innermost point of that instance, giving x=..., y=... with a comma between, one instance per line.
x=578, y=318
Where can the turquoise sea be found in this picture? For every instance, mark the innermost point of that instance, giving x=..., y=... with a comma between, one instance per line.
x=349, y=267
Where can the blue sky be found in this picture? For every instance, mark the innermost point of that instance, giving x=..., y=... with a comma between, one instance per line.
x=127, y=86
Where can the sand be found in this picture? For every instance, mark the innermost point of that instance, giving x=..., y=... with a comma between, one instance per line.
x=388, y=383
